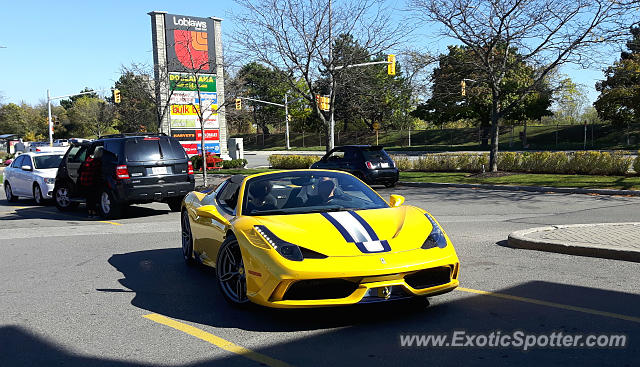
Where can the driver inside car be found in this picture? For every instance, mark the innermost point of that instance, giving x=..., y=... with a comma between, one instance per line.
x=261, y=198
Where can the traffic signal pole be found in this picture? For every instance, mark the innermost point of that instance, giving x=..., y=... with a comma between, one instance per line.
x=286, y=113
x=49, y=99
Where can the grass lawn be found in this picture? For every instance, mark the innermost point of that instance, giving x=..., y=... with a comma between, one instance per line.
x=528, y=179
x=519, y=179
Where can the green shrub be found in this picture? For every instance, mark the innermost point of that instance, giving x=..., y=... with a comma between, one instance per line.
x=403, y=163
x=292, y=161
x=620, y=163
x=196, y=162
x=636, y=164
x=234, y=163
x=509, y=161
x=599, y=163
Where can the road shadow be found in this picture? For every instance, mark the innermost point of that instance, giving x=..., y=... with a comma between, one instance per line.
x=20, y=347
x=50, y=212
x=371, y=333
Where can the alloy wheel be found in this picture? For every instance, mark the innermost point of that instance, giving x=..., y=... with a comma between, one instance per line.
x=62, y=197
x=187, y=239
x=37, y=195
x=105, y=202
x=231, y=274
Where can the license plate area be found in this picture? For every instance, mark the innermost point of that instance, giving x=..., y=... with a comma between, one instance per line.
x=162, y=170
x=384, y=165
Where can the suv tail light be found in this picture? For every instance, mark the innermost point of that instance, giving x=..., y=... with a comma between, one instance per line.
x=370, y=165
x=190, y=168
x=122, y=173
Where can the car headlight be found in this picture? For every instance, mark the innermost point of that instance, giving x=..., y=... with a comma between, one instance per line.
x=49, y=181
x=287, y=250
x=436, y=237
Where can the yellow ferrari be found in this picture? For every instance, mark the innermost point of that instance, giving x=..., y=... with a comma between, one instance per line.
x=310, y=238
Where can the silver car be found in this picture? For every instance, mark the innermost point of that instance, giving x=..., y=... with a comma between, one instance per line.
x=32, y=175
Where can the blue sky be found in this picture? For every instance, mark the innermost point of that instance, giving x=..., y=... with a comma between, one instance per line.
x=67, y=45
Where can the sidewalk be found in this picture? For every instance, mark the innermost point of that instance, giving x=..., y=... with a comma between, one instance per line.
x=619, y=241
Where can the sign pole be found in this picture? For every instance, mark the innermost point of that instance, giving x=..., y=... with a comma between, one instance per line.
x=50, y=121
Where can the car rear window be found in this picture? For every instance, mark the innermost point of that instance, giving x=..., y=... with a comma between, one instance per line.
x=377, y=155
x=153, y=149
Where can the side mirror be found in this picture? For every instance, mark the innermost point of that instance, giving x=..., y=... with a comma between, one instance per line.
x=210, y=211
x=27, y=168
x=396, y=200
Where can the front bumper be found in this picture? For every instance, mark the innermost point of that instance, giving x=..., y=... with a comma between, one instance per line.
x=47, y=190
x=269, y=283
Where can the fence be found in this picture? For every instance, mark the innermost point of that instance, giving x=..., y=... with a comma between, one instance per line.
x=550, y=137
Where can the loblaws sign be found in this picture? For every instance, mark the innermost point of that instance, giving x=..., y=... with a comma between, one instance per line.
x=190, y=44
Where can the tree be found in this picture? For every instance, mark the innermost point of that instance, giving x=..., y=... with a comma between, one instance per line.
x=295, y=36
x=547, y=33
x=448, y=104
x=91, y=116
x=365, y=95
x=264, y=83
x=136, y=110
x=619, y=98
x=570, y=102
x=24, y=120
x=68, y=103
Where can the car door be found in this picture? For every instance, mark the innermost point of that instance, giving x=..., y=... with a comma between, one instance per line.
x=12, y=174
x=334, y=160
x=75, y=158
x=21, y=182
x=27, y=176
x=209, y=233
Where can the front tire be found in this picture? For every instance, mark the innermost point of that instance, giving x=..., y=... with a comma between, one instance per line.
x=108, y=207
x=62, y=197
x=37, y=194
x=231, y=273
x=187, y=239
x=9, y=193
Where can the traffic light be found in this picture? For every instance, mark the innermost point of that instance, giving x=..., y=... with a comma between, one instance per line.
x=391, y=66
x=116, y=95
x=463, y=87
x=323, y=102
x=238, y=104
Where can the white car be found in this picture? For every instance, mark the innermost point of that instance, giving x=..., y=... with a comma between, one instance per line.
x=32, y=175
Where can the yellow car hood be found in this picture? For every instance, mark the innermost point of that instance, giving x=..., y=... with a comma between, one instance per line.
x=349, y=233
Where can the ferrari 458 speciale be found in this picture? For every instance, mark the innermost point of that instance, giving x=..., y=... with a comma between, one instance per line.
x=310, y=238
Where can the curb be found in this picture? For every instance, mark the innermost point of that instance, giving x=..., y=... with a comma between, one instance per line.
x=544, y=189
x=519, y=240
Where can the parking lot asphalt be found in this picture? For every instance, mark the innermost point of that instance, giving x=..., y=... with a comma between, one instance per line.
x=84, y=292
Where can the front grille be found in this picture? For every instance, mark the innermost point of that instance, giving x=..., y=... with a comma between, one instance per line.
x=320, y=289
x=428, y=278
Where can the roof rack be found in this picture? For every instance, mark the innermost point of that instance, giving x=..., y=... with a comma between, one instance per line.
x=124, y=135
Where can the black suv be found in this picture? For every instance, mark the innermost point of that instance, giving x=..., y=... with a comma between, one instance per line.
x=136, y=168
x=370, y=163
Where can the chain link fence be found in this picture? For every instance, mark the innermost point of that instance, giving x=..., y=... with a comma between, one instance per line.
x=549, y=137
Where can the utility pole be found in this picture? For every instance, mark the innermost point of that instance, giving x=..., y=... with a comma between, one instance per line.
x=286, y=113
x=330, y=140
x=50, y=121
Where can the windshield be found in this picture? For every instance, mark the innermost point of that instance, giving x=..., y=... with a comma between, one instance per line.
x=376, y=156
x=153, y=149
x=47, y=161
x=307, y=192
